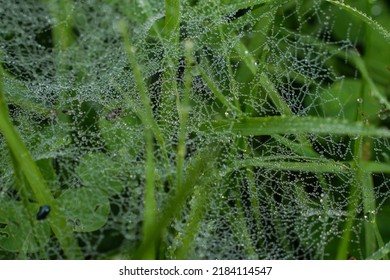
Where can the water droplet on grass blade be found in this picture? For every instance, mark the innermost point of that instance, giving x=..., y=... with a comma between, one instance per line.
x=383, y=114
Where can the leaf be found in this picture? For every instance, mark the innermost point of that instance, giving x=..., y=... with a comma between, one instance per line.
x=99, y=172
x=119, y=129
x=86, y=209
x=17, y=233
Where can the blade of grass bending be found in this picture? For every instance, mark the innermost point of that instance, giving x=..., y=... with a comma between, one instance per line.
x=57, y=220
x=294, y=125
x=373, y=24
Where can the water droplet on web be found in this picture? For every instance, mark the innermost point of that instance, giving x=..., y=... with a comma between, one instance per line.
x=230, y=113
x=383, y=114
x=370, y=216
x=295, y=68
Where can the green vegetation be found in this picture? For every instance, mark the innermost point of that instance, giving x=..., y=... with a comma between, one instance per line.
x=195, y=129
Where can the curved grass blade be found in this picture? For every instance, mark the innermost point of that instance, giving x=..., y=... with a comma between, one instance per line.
x=373, y=24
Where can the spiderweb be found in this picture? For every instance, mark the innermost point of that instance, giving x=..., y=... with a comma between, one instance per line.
x=74, y=98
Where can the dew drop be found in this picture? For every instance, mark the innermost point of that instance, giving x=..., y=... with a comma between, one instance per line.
x=229, y=113
x=383, y=114
x=359, y=100
x=376, y=10
x=369, y=216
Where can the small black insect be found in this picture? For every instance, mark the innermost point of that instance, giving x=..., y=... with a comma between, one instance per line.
x=43, y=212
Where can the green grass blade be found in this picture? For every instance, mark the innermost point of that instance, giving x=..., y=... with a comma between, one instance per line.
x=183, y=107
x=199, y=207
x=199, y=173
x=314, y=167
x=298, y=148
x=147, y=112
x=57, y=220
x=150, y=199
x=142, y=90
x=375, y=167
x=381, y=253
x=295, y=125
x=171, y=44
